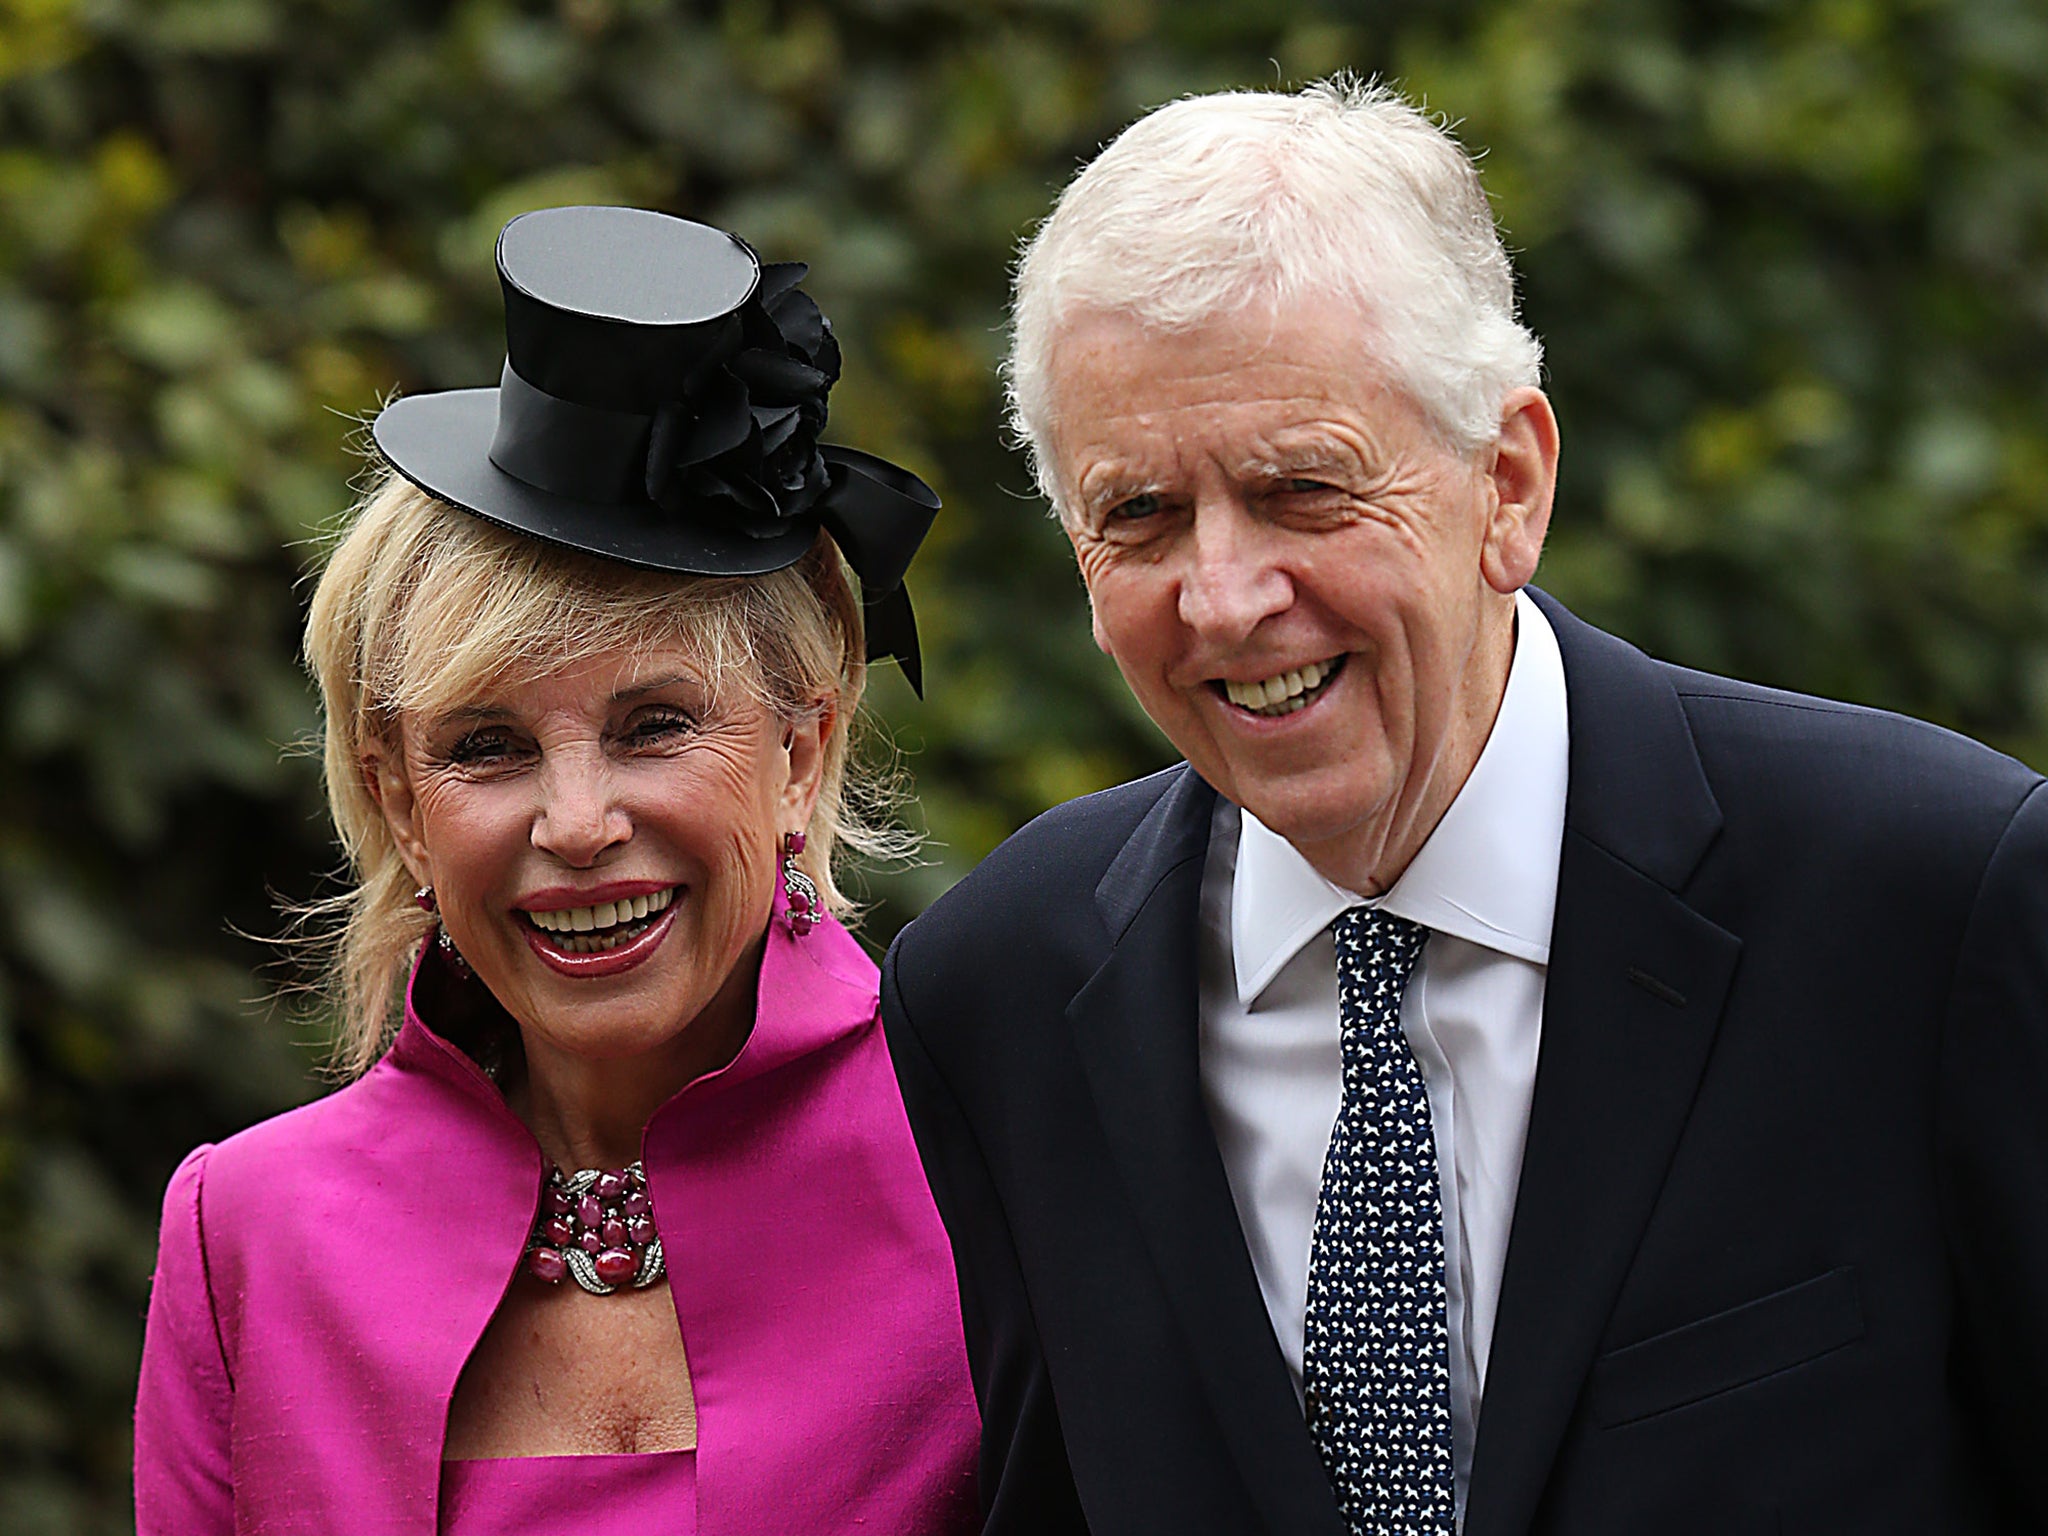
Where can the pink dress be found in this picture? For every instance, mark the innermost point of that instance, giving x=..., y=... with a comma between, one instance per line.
x=323, y=1277
x=571, y=1495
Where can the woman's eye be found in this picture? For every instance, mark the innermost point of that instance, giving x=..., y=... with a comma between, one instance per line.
x=657, y=726
x=481, y=748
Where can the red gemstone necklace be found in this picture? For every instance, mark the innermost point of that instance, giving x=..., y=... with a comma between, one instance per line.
x=596, y=1226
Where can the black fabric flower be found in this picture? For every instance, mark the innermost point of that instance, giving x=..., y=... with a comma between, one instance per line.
x=742, y=442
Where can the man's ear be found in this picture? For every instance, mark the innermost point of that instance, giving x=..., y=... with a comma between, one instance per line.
x=1523, y=472
x=383, y=769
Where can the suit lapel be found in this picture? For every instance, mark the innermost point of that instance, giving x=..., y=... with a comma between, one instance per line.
x=1631, y=1005
x=1135, y=1028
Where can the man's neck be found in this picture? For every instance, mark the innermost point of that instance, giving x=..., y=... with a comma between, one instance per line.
x=1370, y=858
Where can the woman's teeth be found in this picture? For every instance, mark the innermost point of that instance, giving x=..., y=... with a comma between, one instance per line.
x=608, y=924
x=1285, y=693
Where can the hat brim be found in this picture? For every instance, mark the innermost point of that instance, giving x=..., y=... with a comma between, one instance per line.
x=442, y=442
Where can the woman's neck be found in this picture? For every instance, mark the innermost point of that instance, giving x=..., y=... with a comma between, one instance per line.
x=591, y=1112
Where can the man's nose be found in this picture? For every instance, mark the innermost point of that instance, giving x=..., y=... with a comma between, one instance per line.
x=1232, y=582
x=580, y=815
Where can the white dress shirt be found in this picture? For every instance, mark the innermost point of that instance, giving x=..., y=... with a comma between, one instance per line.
x=1485, y=885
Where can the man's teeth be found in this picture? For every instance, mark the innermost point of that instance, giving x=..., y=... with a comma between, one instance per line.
x=572, y=923
x=1284, y=694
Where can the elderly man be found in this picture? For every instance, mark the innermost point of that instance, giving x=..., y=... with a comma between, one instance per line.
x=1499, y=1082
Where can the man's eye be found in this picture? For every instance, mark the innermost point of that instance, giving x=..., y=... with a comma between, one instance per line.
x=1134, y=508
x=1300, y=487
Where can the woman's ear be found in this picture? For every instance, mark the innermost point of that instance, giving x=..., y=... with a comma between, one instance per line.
x=804, y=743
x=383, y=769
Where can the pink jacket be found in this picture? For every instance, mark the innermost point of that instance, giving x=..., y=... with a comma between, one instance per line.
x=323, y=1277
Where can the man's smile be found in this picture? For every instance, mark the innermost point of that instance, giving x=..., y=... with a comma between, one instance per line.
x=1283, y=693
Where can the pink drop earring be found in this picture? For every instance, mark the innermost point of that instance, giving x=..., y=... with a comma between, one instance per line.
x=423, y=898
x=802, y=892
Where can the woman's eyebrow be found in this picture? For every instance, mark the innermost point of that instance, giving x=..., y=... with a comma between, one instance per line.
x=468, y=714
x=657, y=685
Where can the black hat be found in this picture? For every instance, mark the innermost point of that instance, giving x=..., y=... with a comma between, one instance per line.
x=661, y=403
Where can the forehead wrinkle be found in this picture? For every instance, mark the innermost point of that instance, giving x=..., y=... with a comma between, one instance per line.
x=1280, y=460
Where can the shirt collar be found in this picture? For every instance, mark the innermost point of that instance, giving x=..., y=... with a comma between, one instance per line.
x=1487, y=874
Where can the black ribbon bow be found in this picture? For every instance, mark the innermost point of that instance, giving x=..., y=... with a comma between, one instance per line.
x=740, y=443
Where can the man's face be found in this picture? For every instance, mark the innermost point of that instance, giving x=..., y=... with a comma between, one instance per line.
x=1307, y=590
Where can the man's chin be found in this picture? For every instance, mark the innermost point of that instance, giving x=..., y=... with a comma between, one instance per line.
x=1318, y=818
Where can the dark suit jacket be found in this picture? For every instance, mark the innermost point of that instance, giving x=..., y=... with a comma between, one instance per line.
x=1779, y=1260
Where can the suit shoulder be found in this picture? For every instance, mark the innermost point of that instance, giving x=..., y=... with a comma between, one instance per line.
x=1773, y=718
x=1045, y=870
x=1815, y=768
x=1062, y=853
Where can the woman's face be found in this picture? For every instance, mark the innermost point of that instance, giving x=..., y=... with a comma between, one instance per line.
x=603, y=841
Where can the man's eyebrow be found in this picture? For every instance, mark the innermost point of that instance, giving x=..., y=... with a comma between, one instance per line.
x=1113, y=486
x=1298, y=459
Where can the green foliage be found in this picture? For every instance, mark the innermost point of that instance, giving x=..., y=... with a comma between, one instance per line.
x=1788, y=260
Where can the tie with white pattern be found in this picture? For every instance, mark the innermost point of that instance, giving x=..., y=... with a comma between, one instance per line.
x=1376, y=1351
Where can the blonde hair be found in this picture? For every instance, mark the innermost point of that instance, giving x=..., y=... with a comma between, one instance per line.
x=422, y=605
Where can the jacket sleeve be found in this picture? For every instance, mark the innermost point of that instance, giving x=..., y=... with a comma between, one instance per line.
x=184, y=1401
x=1027, y=1487
x=1993, y=1151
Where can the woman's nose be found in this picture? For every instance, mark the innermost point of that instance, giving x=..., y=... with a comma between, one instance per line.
x=579, y=815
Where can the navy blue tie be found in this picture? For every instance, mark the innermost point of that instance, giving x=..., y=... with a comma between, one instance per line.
x=1376, y=1349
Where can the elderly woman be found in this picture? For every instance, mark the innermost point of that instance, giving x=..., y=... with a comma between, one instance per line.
x=621, y=1226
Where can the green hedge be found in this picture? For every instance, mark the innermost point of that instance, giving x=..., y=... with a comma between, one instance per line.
x=1790, y=260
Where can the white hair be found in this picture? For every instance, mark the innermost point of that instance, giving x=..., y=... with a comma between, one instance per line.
x=1245, y=200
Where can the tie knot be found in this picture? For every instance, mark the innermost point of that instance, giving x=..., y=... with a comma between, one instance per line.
x=1376, y=951
x=1381, y=937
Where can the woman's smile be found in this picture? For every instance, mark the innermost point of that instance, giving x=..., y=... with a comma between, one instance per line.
x=608, y=952
x=603, y=920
